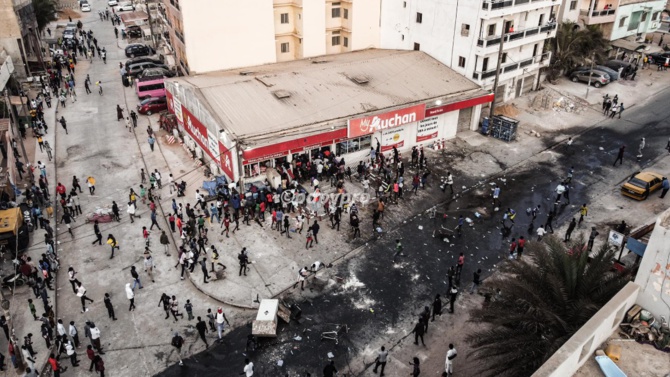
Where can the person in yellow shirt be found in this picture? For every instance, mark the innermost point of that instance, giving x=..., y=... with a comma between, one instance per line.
x=91, y=184
x=583, y=212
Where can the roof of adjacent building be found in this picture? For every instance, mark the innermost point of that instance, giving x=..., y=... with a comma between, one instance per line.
x=290, y=97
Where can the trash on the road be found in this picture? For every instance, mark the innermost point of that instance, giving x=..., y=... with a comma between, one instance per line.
x=330, y=355
x=280, y=362
x=420, y=227
x=601, y=148
x=298, y=338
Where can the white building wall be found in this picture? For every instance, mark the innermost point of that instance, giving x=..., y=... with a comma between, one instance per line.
x=228, y=34
x=314, y=28
x=365, y=27
x=654, y=272
x=626, y=12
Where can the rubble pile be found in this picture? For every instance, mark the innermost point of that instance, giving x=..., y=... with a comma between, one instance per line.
x=641, y=326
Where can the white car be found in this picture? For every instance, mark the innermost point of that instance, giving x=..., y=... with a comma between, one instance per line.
x=86, y=8
x=125, y=7
x=112, y=3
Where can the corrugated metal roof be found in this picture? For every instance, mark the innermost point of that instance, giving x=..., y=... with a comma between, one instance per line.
x=245, y=100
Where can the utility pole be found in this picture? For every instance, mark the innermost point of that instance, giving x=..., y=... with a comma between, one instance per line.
x=151, y=25
x=495, y=83
x=593, y=58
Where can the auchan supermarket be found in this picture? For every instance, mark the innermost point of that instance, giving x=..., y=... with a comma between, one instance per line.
x=249, y=120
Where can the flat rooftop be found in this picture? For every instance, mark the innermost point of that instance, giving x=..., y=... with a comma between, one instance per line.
x=289, y=97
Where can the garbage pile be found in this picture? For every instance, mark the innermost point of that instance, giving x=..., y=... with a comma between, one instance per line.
x=641, y=326
x=564, y=104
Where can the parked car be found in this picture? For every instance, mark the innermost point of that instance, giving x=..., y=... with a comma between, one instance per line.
x=133, y=50
x=134, y=31
x=152, y=105
x=616, y=64
x=136, y=69
x=156, y=72
x=614, y=75
x=659, y=57
x=86, y=7
x=640, y=185
x=112, y=3
x=125, y=7
x=141, y=59
x=597, y=78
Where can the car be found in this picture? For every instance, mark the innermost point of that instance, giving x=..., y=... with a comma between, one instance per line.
x=133, y=50
x=85, y=7
x=112, y=3
x=641, y=184
x=617, y=64
x=614, y=75
x=156, y=72
x=136, y=69
x=134, y=31
x=659, y=58
x=596, y=77
x=125, y=7
x=141, y=59
x=152, y=105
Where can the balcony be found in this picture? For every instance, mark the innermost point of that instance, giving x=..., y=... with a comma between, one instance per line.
x=516, y=38
x=179, y=36
x=505, y=70
x=596, y=17
x=500, y=8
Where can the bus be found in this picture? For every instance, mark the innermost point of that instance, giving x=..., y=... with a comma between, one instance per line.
x=147, y=87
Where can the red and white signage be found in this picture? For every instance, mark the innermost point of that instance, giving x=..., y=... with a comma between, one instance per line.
x=380, y=122
x=427, y=129
x=393, y=138
x=459, y=105
x=226, y=161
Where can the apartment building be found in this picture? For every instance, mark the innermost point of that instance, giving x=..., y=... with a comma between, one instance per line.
x=467, y=35
x=618, y=19
x=18, y=35
x=215, y=35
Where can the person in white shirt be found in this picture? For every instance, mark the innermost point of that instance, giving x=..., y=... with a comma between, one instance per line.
x=540, y=233
x=316, y=266
x=60, y=328
x=248, y=368
x=449, y=362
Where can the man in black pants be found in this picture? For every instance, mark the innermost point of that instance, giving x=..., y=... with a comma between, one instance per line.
x=98, y=235
x=550, y=219
x=619, y=156
x=201, y=326
x=315, y=231
x=244, y=260
x=109, y=306
x=419, y=330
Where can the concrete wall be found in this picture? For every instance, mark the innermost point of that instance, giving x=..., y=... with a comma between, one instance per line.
x=365, y=26
x=314, y=28
x=654, y=272
x=10, y=31
x=228, y=34
x=581, y=346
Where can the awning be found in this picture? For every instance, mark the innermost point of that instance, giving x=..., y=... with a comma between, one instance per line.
x=296, y=145
x=629, y=44
x=636, y=246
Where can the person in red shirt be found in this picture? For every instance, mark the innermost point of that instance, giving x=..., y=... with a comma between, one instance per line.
x=226, y=224
x=91, y=355
x=261, y=213
x=60, y=189
x=521, y=245
x=512, y=248
x=55, y=366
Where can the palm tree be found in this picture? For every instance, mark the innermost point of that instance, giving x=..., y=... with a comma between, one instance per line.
x=45, y=12
x=543, y=301
x=574, y=46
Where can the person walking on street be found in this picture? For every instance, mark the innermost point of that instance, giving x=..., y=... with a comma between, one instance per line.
x=177, y=342
x=95, y=338
x=437, y=307
x=98, y=234
x=63, y=123
x=619, y=156
x=111, y=241
x=81, y=293
x=189, y=309
x=203, y=267
x=419, y=330
x=109, y=306
x=249, y=368
x=220, y=318
x=571, y=228
x=151, y=141
x=540, y=233
x=131, y=297
x=583, y=211
x=449, y=362
x=665, y=186
x=452, y=298
x=244, y=260
x=136, y=278
x=149, y=265
x=416, y=371
x=119, y=113
x=592, y=238
x=380, y=361
x=90, y=181
x=476, y=281
x=201, y=326
x=398, y=250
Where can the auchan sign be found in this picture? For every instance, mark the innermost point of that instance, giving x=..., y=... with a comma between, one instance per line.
x=379, y=122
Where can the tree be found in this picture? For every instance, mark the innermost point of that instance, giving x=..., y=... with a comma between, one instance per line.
x=574, y=46
x=45, y=12
x=544, y=299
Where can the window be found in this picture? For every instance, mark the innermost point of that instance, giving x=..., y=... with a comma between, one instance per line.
x=354, y=145
x=335, y=12
x=503, y=59
x=461, y=62
x=573, y=5
x=284, y=18
x=284, y=48
x=491, y=30
x=465, y=30
x=654, y=16
x=346, y=42
x=346, y=14
x=622, y=21
x=404, y=4
x=336, y=40
x=644, y=17
x=402, y=37
x=419, y=17
x=417, y=47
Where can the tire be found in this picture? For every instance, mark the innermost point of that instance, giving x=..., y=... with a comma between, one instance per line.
x=597, y=84
x=575, y=79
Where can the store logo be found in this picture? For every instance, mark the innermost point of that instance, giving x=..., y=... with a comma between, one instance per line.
x=195, y=131
x=379, y=122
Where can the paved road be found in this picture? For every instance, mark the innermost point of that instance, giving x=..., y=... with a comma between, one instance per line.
x=395, y=293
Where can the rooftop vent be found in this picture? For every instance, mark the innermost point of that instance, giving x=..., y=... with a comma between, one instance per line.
x=281, y=94
x=360, y=80
x=264, y=80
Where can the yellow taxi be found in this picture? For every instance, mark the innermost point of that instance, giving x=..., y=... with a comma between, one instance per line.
x=641, y=184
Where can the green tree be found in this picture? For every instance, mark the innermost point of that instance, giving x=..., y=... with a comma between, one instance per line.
x=45, y=12
x=574, y=46
x=544, y=299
